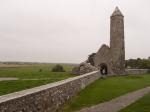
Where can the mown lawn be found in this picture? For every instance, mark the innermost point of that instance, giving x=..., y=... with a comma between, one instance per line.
x=106, y=89
x=142, y=105
x=42, y=73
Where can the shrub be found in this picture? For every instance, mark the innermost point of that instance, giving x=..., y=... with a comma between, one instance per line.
x=58, y=68
x=40, y=70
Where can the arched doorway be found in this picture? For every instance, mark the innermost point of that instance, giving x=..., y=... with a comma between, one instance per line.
x=103, y=69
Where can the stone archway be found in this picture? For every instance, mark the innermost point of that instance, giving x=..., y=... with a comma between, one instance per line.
x=103, y=69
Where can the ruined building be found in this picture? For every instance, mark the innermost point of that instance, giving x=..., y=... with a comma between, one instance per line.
x=111, y=60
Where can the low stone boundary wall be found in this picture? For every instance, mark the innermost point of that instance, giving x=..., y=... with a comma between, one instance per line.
x=46, y=98
x=137, y=71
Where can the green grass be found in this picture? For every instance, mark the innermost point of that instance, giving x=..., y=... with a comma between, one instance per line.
x=31, y=72
x=13, y=86
x=142, y=105
x=106, y=89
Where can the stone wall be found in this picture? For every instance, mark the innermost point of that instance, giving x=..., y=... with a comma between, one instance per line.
x=46, y=98
x=137, y=71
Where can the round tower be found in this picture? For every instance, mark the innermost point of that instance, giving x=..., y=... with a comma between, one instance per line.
x=117, y=42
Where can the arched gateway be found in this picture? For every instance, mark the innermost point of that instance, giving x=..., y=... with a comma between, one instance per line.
x=103, y=69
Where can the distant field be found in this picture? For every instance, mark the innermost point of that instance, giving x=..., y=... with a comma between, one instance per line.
x=33, y=71
x=13, y=65
x=30, y=76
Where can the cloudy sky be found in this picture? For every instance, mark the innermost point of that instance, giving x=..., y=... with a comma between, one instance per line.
x=69, y=30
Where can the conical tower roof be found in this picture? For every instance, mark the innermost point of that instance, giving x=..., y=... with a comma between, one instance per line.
x=117, y=12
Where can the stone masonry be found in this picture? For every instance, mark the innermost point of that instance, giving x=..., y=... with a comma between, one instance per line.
x=113, y=57
x=111, y=60
x=46, y=98
x=83, y=68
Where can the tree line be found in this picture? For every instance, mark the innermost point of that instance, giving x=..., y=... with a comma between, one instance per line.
x=138, y=63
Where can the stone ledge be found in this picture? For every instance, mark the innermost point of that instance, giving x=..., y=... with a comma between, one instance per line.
x=137, y=71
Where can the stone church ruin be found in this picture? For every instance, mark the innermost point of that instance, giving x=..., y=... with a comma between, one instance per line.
x=109, y=60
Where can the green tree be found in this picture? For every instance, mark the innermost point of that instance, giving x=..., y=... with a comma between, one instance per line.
x=138, y=63
x=58, y=68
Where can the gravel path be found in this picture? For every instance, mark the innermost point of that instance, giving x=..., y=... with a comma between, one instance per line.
x=8, y=78
x=118, y=103
x=13, y=78
x=44, y=79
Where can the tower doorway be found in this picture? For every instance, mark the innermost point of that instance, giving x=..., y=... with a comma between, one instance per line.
x=103, y=69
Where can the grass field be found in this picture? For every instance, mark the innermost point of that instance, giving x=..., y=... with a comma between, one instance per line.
x=33, y=71
x=100, y=91
x=30, y=76
x=106, y=89
x=142, y=105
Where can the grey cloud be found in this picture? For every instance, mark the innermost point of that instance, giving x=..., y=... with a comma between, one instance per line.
x=68, y=30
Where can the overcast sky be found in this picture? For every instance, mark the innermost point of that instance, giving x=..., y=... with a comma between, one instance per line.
x=69, y=30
